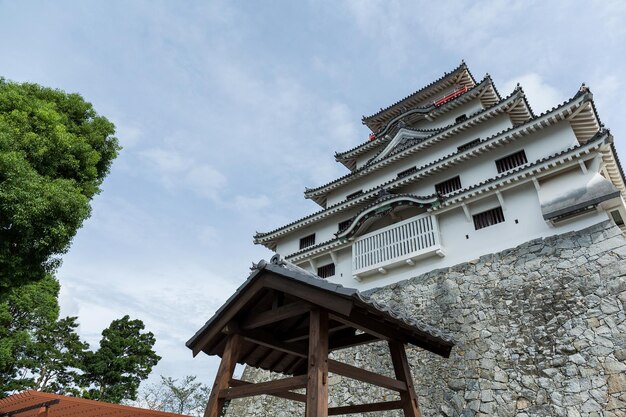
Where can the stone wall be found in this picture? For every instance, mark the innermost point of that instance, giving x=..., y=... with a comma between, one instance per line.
x=541, y=331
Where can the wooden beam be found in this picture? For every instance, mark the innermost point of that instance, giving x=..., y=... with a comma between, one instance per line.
x=264, y=388
x=224, y=374
x=254, y=320
x=303, y=333
x=288, y=395
x=388, y=331
x=317, y=374
x=311, y=294
x=356, y=340
x=246, y=296
x=401, y=367
x=359, y=374
x=267, y=340
x=364, y=408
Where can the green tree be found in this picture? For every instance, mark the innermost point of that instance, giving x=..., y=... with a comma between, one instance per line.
x=125, y=358
x=55, y=356
x=23, y=310
x=187, y=397
x=54, y=153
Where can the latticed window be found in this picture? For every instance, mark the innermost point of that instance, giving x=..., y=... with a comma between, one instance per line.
x=407, y=172
x=468, y=145
x=344, y=225
x=307, y=241
x=326, y=271
x=509, y=162
x=461, y=118
x=448, y=186
x=353, y=195
x=488, y=218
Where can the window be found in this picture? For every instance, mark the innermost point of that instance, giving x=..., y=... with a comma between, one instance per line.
x=509, y=162
x=307, y=241
x=460, y=118
x=468, y=145
x=407, y=172
x=488, y=218
x=326, y=271
x=617, y=218
x=344, y=225
x=448, y=186
x=353, y=195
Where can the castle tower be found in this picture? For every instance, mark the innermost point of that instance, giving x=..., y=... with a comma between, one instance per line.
x=452, y=172
x=500, y=226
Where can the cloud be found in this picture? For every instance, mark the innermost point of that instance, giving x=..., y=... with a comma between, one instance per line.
x=541, y=95
x=177, y=170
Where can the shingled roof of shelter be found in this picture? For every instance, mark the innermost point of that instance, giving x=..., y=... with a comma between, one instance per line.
x=29, y=403
x=268, y=276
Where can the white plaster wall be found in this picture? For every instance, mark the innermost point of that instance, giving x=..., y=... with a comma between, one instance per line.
x=443, y=148
x=521, y=203
x=472, y=171
x=449, y=118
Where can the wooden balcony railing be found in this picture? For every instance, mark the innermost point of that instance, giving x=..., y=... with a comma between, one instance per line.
x=399, y=244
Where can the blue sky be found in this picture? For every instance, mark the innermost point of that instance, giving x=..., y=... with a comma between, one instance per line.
x=227, y=109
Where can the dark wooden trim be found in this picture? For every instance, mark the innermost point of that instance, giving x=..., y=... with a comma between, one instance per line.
x=303, y=333
x=402, y=370
x=311, y=294
x=264, y=388
x=357, y=340
x=364, y=408
x=293, y=367
x=288, y=395
x=227, y=315
x=254, y=320
x=317, y=375
x=389, y=331
x=353, y=372
x=223, y=376
x=266, y=339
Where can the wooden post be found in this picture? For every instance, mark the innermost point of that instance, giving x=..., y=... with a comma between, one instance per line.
x=403, y=373
x=224, y=374
x=317, y=386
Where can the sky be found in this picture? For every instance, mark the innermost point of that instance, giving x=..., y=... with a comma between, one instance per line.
x=227, y=110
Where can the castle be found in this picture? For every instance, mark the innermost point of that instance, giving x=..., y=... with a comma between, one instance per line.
x=501, y=226
x=452, y=172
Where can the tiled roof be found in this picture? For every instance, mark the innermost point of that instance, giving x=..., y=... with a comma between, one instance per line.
x=366, y=194
x=446, y=199
x=598, y=137
x=425, y=199
x=381, y=139
x=455, y=71
x=365, y=167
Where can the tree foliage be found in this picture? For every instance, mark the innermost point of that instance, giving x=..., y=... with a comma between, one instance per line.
x=40, y=351
x=187, y=397
x=124, y=359
x=54, y=153
x=23, y=311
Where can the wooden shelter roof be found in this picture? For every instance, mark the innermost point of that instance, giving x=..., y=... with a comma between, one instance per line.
x=40, y=404
x=271, y=313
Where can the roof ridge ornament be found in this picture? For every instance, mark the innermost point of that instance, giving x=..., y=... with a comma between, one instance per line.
x=259, y=265
x=277, y=260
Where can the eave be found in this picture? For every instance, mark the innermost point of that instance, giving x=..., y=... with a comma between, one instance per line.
x=460, y=75
x=545, y=166
x=489, y=97
x=514, y=100
x=548, y=118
